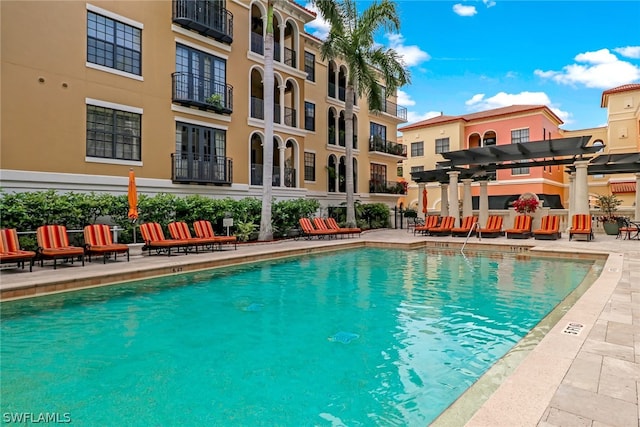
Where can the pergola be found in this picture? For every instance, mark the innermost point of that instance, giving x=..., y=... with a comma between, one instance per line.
x=474, y=164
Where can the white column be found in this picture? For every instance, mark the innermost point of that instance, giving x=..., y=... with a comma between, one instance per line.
x=421, y=186
x=467, y=207
x=281, y=150
x=637, y=213
x=444, y=200
x=572, y=199
x=483, y=215
x=454, y=209
x=582, y=188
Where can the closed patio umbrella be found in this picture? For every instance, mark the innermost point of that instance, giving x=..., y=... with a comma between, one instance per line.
x=133, y=201
x=424, y=201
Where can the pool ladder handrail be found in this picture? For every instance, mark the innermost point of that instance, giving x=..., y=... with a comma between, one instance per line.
x=475, y=225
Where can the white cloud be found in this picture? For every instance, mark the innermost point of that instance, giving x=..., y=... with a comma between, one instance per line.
x=475, y=99
x=404, y=99
x=318, y=27
x=463, y=10
x=629, y=51
x=414, y=117
x=600, y=69
x=412, y=55
x=478, y=102
x=489, y=3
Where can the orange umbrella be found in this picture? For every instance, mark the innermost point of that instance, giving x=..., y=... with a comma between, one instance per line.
x=424, y=201
x=133, y=197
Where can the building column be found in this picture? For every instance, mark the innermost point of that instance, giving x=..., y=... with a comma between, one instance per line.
x=572, y=199
x=444, y=200
x=421, y=186
x=467, y=206
x=483, y=214
x=454, y=209
x=581, y=197
x=637, y=216
x=281, y=150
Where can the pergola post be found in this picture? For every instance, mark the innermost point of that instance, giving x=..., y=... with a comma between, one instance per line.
x=483, y=215
x=421, y=186
x=454, y=209
x=637, y=213
x=572, y=199
x=444, y=200
x=467, y=206
x=581, y=198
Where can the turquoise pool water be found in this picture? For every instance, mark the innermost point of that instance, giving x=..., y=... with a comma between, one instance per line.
x=357, y=337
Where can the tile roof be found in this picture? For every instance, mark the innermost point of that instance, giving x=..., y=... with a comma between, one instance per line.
x=623, y=88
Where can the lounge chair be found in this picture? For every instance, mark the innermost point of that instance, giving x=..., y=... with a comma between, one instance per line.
x=493, y=227
x=98, y=241
x=627, y=229
x=204, y=230
x=53, y=243
x=468, y=225
x=581, y=225
x=549, y=228
x=521, y=228
x=308, y=230
x=429, y=222
x=445, y=227
x=153, y=237
x=333, y=225
x=10, y=250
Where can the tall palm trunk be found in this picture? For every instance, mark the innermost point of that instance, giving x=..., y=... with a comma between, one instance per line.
x=266, y=228
x=348, y=135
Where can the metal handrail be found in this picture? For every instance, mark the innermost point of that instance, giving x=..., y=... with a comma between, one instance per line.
x=475, y=225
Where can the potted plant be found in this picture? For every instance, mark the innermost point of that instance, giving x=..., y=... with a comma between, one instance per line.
x=608, y=204
x=525, y=204
x=215, y=99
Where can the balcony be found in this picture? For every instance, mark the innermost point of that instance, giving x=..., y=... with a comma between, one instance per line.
x=289, y=57
x=289, y=175
x=377, y=144
x=204, y=17
x=386, y=187
x=257, y=110
x=201, y=169
x=394, y=110
x=195, y=91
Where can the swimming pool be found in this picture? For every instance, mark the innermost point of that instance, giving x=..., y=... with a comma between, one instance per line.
x=365, y=336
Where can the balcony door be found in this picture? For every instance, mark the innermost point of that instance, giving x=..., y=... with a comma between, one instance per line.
x=200, y=153
x=200, y=76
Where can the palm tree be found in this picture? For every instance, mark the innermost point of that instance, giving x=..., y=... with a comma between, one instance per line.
x=351, y=39
x=266, y=227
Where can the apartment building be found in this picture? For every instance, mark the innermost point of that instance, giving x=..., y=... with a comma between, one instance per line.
x=428, y=139
x=174, y=90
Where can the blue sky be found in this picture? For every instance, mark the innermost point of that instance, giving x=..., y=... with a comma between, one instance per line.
x=469, y=56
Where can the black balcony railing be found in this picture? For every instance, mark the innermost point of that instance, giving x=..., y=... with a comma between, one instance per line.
x=289, y=175
x=380, y=145
x=204, y=17
x=257, y=43
x=207, y=169
x=257, y=110
x=206, y=94
x=289, y=57
x=290, y=117
x=332, y=90
x=394, y=109
x=386, y=187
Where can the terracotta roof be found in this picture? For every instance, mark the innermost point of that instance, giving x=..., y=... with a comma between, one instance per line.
x=623, y=187
x=503, y=111
x=311, y=12
x=623, y=88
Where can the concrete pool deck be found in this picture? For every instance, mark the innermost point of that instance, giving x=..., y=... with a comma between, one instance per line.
x=587, y=377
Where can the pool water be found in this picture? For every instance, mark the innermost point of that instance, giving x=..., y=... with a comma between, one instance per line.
x=355, y=337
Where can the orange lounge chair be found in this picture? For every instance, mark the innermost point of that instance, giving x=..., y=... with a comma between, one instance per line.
x=581, y=225
x=10, y=249
x=549, y=228
x=153, y=237
x=53, y=243
x=98, y=241
x=333, y=225
x=493, y=227
x=308, y=230
x=430, y=222
x=468, y=224
x=445, y=227
x=204, y=230
x=521, y=228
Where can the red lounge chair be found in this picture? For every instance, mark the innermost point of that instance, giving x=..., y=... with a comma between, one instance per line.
x=521, y=228
x=10, y=249
x=430, y=222
x=468, y=224
x=493, y=227
x=98, y=241
x=581, y=225
x=333, y=225
x=204, y=230
x=153, y=237
x=445, y=227
x=53, y=243
x=308, y=231
x=549, y=228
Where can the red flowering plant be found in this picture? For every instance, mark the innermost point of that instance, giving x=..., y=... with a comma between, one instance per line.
x=526, y=205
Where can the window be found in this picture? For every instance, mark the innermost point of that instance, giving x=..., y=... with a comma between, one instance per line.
x=520, y=136
x=113, y=134
x=200, y=75
x=309, y=166
x=417, y=169
x=200, y=153
x=378, y=183
x=442, y=145
x=378, y=136
x=310, y=66
x=309, y=116
x=417, y=149
x=113, y=44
